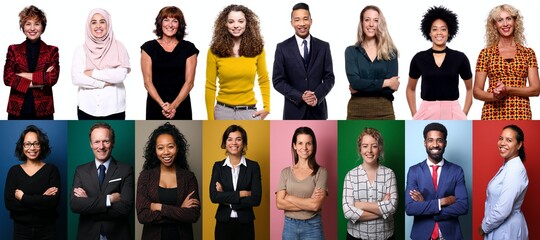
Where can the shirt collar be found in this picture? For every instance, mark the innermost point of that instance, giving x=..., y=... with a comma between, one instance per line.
x=228, y=162
x=440, y=164
x=106, y=163
x=299, y=40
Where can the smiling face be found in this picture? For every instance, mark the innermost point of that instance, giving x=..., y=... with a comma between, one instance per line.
x=303, y=146
x=166, y=149
x=31, y=146
x=369, y=149
x=33, y=29
x=169, y=26
x=508, y=144
x=370, y=23
x=505, y=24
x=435, y=145
x=439, y=33
x=101, y=144
x=236, y=23
x=234, y=143
x=301, y=22
x=98, y=26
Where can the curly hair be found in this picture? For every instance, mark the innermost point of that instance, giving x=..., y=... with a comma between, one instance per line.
x=235, y=128
x=374, y=133
x=251, y=43
x=492, y=33
x=32, y=12
x=44, y=148
x=312, y=162
x=444, y=14
x=386, y=49
x=173, y=12
x=182, y=147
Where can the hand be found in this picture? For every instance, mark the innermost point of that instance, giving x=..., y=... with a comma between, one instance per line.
x=51, y=191
x=115, y=197
x=318, y=193
x=190, y=202
x=168, y=110
x=352, y=90
x=392, y=83
x=156, y=207
x=386, y=197
x=416, y=195
x=500, y=91
x=219, y=188
x=447, y=201
x=25, y=75
x=261, y=113
x=18, y=194
x=309, y=98
x=49, y=69
x=79, y=192
x=245, y=193
x=88, y=72
x=481, y=231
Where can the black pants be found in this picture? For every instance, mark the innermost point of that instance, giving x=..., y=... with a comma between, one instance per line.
x=234, y=230
x=23, y=231
x=349, y=237
x=85, y=116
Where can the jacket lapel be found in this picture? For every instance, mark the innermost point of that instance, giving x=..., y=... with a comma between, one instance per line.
x=296, y=52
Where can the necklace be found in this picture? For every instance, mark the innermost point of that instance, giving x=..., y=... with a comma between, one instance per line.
x=438, y=51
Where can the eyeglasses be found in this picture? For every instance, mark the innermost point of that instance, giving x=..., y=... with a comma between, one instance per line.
x=30, y=144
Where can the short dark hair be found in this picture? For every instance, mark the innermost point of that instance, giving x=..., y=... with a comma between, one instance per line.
x=44, y=148
x=435, y=126
x=174, y=12
x=444, y=14
x=235, y=128
x=300, y=5
x=31, y=12
x=520, y=137
x=102, y=125
x=182, y=147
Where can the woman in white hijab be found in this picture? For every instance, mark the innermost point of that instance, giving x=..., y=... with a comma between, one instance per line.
x=99, y=68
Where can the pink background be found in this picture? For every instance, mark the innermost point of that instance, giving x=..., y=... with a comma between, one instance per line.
x=281, y=133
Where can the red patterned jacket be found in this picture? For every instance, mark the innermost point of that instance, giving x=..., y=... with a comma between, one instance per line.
x=16, y=63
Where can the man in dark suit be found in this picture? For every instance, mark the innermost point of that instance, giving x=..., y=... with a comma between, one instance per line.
x=103, y=191
x=303, y=70
x=436, y=194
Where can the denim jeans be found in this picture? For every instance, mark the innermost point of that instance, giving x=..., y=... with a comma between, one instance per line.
x=310, y=229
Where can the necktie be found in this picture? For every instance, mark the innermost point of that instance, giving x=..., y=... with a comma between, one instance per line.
x=101, y=174
x=306, y=52
x=435, y=233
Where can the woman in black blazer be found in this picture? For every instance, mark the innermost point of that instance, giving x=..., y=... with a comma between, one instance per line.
x=167, y=193
x=236, y=187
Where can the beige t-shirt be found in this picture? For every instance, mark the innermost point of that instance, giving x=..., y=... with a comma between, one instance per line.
x=302, y=188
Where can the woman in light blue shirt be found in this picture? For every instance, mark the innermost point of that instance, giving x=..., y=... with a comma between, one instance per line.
x=503, y=218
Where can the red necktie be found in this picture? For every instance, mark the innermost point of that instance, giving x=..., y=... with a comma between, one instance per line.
x=435, y=233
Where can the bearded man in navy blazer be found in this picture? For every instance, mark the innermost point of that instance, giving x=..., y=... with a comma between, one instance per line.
x=303, y=70
x=104, y=210
x=436, y=194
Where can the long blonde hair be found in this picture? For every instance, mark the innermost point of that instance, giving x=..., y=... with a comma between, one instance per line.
x=386, y=49
x=492, y=33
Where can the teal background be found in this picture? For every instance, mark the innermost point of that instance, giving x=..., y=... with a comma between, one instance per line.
x=79, y=152
x=393, y=133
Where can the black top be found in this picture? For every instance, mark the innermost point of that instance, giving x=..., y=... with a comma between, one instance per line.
x=440, y=83
x=169, y=231
x=168, y=77
x=32, y=55
x=34, y=207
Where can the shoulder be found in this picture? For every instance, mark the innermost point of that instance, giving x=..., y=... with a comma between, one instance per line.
x=149, y=44
x=15, y=168
x=352, y=49
x=527, y=50
x=286, y=171
x=452, y=166
x=287, y=41
x=122, y=165
x=417, y=167
x=386, y=170
x=185, y=173
x=252, y=162
x=322, y=171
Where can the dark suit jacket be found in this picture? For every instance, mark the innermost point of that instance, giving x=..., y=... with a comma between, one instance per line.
x=249, y=179
x=93, y=210
x=16, y=63
x=147, y=193
x=291, y=79
x=451, y=182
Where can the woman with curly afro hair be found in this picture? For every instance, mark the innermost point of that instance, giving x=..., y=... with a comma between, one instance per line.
x=440, y=68
x=509, y=65
x=167, y=193
x=235, y=57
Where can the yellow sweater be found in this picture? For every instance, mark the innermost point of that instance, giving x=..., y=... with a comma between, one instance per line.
x=236, y=81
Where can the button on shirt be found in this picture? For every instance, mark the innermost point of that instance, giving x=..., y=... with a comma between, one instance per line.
x=235, y=172
x=300, y=44
x=106, y=164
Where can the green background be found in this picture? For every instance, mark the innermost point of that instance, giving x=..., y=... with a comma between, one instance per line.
x=393, y=133
x=79, y=152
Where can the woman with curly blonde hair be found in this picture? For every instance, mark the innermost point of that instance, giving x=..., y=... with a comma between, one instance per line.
x=509, y=65
x=235, y=56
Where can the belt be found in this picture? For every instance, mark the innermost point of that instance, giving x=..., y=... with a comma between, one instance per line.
x=249, y=107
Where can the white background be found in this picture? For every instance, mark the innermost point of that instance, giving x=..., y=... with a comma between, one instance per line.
x=333, y=21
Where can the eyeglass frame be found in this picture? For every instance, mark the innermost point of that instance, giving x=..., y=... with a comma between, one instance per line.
x=28, y=145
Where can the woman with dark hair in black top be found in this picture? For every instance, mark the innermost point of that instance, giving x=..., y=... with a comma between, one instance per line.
x=32, y=188
x=440, y=68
